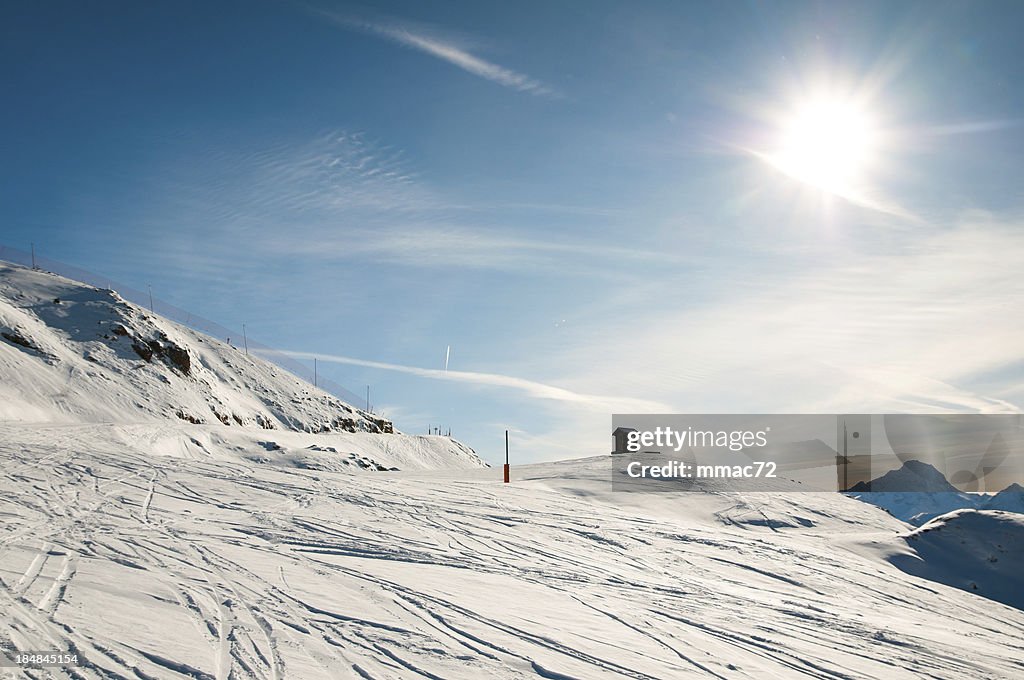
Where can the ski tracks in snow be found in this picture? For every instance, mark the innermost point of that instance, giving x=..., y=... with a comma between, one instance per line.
x=163, y=567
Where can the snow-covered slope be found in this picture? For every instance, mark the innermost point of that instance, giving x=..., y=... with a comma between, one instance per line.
x=167, y=567
x=72, y=353
x=981, y=551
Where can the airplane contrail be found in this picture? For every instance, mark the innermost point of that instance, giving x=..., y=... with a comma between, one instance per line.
x=538, y=390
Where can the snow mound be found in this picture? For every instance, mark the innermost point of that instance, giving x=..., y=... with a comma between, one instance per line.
x=980, y=551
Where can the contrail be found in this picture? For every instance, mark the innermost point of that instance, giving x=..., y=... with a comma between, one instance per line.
x=445, y=51
x=532, y=388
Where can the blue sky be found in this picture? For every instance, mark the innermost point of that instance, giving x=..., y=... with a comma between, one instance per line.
x=597, y=205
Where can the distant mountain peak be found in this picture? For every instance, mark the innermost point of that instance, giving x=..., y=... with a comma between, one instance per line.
x=921, y=466
x=914, y=475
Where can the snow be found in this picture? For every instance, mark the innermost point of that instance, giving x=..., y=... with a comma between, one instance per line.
x=976, y=550
x=916, y=507
x=81, y=364
x=153, y=565
x=285, y=546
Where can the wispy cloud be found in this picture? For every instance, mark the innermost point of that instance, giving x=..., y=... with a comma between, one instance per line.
x=330, y=176
x=932, y=325
x=911, y=328
x=335, y=171
x=536, y=390
x=343, y=196
x=966, y=128
x=430, y=245
x=446, y=50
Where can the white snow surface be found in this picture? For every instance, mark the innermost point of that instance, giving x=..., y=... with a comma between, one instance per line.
x=917, y=507
x=977, y=550
x=186, y=564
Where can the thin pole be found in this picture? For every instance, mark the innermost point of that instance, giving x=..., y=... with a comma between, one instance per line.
x=314, y=372
x=846, y=458
x=33, y=255
x=150, y=298
x=245, y=341
x=367, y=398
x=506, y=457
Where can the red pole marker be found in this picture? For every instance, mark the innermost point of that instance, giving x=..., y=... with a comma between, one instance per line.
x=506, y=456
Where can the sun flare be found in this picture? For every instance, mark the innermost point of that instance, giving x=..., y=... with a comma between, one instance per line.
x=827, y=143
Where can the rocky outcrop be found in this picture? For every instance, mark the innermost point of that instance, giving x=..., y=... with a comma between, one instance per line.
x=175, y=355
x=18, y=339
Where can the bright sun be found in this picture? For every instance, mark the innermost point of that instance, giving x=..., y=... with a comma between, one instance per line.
x=827, y=143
